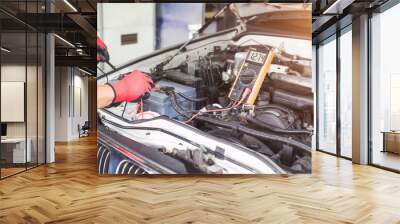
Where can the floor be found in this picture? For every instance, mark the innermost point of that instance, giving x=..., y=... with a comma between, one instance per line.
x=387, y=159
x=70, y=191
x=10, y=171
x=5, y=172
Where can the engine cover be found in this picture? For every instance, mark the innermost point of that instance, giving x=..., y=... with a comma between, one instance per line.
x=275, y=118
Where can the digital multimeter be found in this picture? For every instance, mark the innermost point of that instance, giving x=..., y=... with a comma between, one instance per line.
x=251, y=75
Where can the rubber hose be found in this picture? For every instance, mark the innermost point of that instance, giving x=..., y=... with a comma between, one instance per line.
x=261, y=124
x=274, y=106
x=255, y=133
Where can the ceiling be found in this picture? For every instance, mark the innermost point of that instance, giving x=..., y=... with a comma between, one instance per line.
x=332, y=15
x=75, y=21
x=72, y=20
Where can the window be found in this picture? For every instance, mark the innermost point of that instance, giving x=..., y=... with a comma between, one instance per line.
x=346, y=93
x=327, y=96
x=385, y=87
x=22, y=76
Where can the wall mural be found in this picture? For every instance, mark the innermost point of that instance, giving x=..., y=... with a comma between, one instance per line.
x=236, y=97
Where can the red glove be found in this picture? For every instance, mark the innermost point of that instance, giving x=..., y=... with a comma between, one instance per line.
x=102, y=52
x=131, y=87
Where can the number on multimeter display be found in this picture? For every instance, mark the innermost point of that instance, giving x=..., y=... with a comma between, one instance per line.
x=257, y=57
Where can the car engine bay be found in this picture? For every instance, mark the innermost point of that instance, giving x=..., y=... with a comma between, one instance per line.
x=199, y=91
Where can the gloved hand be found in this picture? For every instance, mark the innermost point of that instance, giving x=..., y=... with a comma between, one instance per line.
x=132, y=87
x=102, y=52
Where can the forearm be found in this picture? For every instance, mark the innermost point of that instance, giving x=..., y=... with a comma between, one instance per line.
x=105, y=95
x=131, y=87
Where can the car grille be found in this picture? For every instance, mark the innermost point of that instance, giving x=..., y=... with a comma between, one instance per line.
x=126, y=167
x=103, y=159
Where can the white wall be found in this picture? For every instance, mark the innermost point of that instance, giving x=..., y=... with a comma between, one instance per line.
x=80, y=103
x=70, y=83
x=116, y=19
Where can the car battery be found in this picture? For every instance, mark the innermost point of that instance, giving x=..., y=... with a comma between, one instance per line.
x=161, y=103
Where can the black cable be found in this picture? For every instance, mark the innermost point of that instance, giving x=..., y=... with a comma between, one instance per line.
x=123, y=112
x=192, y=99
x=175, y=105
x=255, y=133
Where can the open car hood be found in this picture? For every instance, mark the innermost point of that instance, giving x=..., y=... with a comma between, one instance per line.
x=286, y=20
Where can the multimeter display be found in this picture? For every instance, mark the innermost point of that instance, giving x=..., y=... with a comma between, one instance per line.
x=256, y=57
x=251, y=75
